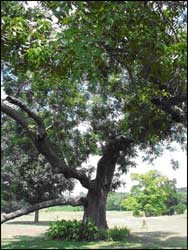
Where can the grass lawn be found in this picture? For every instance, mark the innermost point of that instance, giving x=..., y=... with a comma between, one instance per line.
x=162, y=232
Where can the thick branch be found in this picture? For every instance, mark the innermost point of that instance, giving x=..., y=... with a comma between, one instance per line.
x=166, y=105
x=41, y=128
x=24, y=107
x=17, y=117
x=44, y=147
x=45, y=204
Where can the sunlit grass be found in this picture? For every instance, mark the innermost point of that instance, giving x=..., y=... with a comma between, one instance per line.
x=162, y=232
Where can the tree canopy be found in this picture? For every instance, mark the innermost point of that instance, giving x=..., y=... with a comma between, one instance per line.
x=95, y=77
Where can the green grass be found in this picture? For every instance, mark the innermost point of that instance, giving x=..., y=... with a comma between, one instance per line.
x=25, y=242
x=64, y=208
x=164, y=232
x=42, y=242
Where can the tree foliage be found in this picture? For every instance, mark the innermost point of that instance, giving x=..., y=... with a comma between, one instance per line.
x=26, y=178
x=135, y=70
x=114, y=201
x=96, y=77
x=154, y=194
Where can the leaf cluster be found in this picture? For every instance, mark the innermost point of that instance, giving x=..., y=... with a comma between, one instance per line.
x=76, y=231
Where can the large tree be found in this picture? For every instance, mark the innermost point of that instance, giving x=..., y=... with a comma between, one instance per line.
x=95, y=77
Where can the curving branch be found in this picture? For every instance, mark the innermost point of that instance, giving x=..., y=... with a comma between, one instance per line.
x=38, y=120
x=17, y=117
x=44, y=204
x=24, y=107
x=42, y=144
x=168, y=106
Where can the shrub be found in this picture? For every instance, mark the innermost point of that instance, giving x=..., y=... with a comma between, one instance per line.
x=180, y=208
x=101, y=234
x=75, y=231
x=136, y=213
x=118, y=234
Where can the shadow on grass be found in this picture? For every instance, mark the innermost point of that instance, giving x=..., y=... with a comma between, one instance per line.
x=40, y=223
x=38, y=242
x=160, y=240
x=139, y=240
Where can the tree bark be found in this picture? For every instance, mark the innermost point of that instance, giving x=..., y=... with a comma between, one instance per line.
x=95, y=205
x=36, y=219
x=95, y=208
x=45, y=204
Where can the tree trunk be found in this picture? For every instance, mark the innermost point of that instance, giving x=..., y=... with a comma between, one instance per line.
x=95, y=208
x=95, y=205
x=36, y=220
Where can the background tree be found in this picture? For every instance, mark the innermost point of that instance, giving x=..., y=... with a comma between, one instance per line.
x=154, y=195
x=117, y=69
x=114, y=201
x=26, y=178
x=182, y=200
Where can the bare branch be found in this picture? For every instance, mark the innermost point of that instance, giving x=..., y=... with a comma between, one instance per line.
x=45, y=204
